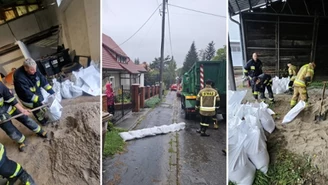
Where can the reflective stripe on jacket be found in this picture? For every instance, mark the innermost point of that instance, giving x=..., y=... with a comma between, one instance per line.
x=208, y=98
x=306, y=70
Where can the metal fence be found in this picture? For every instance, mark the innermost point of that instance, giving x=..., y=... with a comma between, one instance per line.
x=123, y=104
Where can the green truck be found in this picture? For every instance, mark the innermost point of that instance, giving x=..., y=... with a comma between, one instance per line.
x=195, y=78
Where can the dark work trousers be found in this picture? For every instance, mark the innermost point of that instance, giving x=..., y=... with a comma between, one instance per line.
x=269, y=88
x=205, y=122
x=14, y=133
x=290, y=86
x=8, y=167
x=111, y=109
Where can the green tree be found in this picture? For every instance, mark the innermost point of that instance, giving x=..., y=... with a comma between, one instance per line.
x=220, y=54
x=210, y=51
x=202, y=55
x=191, y=58
x=169, y=72
x=157, y=62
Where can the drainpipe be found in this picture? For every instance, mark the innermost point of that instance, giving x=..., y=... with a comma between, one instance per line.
x=23, y=49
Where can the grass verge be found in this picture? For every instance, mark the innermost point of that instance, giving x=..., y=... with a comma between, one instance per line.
x=152, y=102
x=113, y=141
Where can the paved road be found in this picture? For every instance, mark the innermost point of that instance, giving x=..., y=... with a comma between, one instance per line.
x=182, y=158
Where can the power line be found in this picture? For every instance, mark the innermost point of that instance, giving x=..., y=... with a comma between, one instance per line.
x=198, y=11
x=140, y=27
x=168, y=18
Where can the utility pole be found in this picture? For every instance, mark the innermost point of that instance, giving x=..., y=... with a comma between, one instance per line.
x=162, y=52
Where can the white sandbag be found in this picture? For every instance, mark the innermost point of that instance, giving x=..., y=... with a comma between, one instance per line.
x=76, y=77
x=45, y=94
x=65, y=89
x=57, y=87
x=164, y=129
x=76, y=91
x=256, y=149
x=260, y=160
x=236, y=97
x=55, y=109
x=91, y=79
x=291, y=115
x=241, y=170
x=267, y=121
x=279, y=86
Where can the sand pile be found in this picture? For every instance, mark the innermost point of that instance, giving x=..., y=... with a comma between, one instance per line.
x=71, y=155
x=303, y=135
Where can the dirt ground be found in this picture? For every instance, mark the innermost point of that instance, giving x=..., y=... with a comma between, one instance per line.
x=303, y=135
x=71, y=154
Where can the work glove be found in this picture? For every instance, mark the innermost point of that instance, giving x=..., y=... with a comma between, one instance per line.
x=245, y=78
x=196, y=107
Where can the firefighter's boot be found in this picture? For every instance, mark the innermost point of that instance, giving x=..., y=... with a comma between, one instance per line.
x=26, y=179
x=43, y=133
x=203, y=132
x=22, y=146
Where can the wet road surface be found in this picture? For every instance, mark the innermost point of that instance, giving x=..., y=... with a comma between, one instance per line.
x=182, y=158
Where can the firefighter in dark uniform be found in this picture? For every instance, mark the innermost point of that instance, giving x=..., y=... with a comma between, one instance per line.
x=28, y=82
x=207, y=100
x=10, y=107
x=262, y=82
x=13, y=171
x=253, y=68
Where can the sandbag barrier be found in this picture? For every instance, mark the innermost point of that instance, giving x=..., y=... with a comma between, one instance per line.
x=247, y=140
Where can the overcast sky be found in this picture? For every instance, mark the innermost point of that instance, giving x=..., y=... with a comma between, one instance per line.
x=120, y=19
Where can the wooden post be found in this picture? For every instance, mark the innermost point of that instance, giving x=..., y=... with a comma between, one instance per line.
x=142, y=97
x=135, y=98
x=147, y=92
x=153, y=90
x=104, y=103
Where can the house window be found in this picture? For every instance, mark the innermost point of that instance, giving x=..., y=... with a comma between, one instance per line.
x=121, y=59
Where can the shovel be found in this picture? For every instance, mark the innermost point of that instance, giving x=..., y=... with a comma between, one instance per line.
x=321, y=117
x=38, y=108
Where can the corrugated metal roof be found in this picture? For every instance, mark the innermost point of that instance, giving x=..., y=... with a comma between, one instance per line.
x=239, y=6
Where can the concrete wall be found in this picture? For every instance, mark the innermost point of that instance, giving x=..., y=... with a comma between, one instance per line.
x=81, y=26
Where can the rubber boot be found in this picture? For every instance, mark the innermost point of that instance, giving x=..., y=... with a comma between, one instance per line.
x=22, y=146
x=203, y=132
x=216, y=125
x=11, y=181
x=26, y=179
x=43, y=133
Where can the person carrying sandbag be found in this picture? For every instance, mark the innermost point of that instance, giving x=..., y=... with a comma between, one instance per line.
x=13, y=171
x=262, y=82
x=303, y=79
x=292, y=75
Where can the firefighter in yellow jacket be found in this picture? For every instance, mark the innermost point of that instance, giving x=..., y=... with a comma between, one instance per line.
x=13, y=171
x=292, y=75
x=303, y=79
x=207, y=100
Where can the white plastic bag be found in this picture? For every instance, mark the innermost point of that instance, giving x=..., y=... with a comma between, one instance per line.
x=256, y=149
x=76, y=77
x=279, y=86
x=55, y=109
x=45, y=94
x=56, y=87
x=76, y=91
x=241, y=170
x=267, y=121
x=294, y=112
x=65, y=89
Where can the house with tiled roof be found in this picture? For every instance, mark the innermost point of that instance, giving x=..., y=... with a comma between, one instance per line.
x=118, y=67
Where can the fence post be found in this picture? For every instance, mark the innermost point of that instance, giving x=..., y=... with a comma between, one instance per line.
x=142, y=97
x=153, y=90
x=135, y=98
x=122, y=103
x=148, y=92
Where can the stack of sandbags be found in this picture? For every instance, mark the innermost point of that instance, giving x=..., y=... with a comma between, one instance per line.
x=88, y=80
x=247, y=141
x=279, y=86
